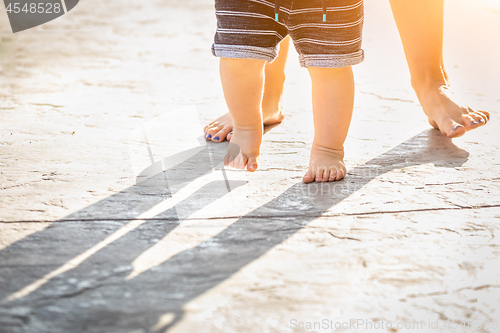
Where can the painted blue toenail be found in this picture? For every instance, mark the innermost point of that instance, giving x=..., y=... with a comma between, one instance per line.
x=480, y=121
x=455, y=127
x=209, y=136
x=216, y=138
x=473, y=123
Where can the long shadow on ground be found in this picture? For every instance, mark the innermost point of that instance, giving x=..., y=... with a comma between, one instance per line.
x=94, y=292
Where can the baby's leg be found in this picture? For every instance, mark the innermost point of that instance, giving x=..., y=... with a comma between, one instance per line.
x=274, y=79
x=333, y=99
x=243, y=83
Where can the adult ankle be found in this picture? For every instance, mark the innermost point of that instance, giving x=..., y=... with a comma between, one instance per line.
x=423, y=84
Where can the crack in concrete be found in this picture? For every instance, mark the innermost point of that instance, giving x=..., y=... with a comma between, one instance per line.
x=387, y=98
x=282, y=169
x=24, y=184
x=340, y=237
x=439, y=293
x=48, y=104
x=284, y=216
x=451, y=183
x=286, y=141
x=446, y=229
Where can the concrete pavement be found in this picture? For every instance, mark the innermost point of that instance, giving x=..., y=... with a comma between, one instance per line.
x=117, y=216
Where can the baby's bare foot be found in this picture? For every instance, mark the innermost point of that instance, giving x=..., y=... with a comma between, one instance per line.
x=244, y=148
x=325, y=165
x=446, y=115
x=222, y=128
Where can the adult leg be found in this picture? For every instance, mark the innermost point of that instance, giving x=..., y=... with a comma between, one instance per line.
x=221, y=128
x=420, y=25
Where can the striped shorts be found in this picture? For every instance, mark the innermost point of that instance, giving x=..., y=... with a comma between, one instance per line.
x=326, y=33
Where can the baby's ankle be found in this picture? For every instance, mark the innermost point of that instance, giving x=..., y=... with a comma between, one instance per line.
x=252, y=126
x=324, y=149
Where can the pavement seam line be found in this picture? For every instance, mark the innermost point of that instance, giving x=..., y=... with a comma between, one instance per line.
x=258, y=216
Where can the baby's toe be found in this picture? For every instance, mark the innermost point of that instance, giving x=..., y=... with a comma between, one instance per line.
x=321, y=175
x=252, y=164
x=332, y=175
x=309, y=177
x=340, y=174
x=229, y=159
x=239, y=162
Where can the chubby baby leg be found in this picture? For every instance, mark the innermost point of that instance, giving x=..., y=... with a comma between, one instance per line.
x=333, y=101
x=243, y=83
x=274, y=79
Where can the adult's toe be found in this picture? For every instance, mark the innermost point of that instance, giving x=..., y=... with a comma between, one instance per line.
x=451, y=128
x=221, y=134
x=212, y=131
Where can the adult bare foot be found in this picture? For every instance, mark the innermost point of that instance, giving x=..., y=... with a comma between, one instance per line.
x=325, y=165
x=218, y=129
x=222, y=128
x=445, y=114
